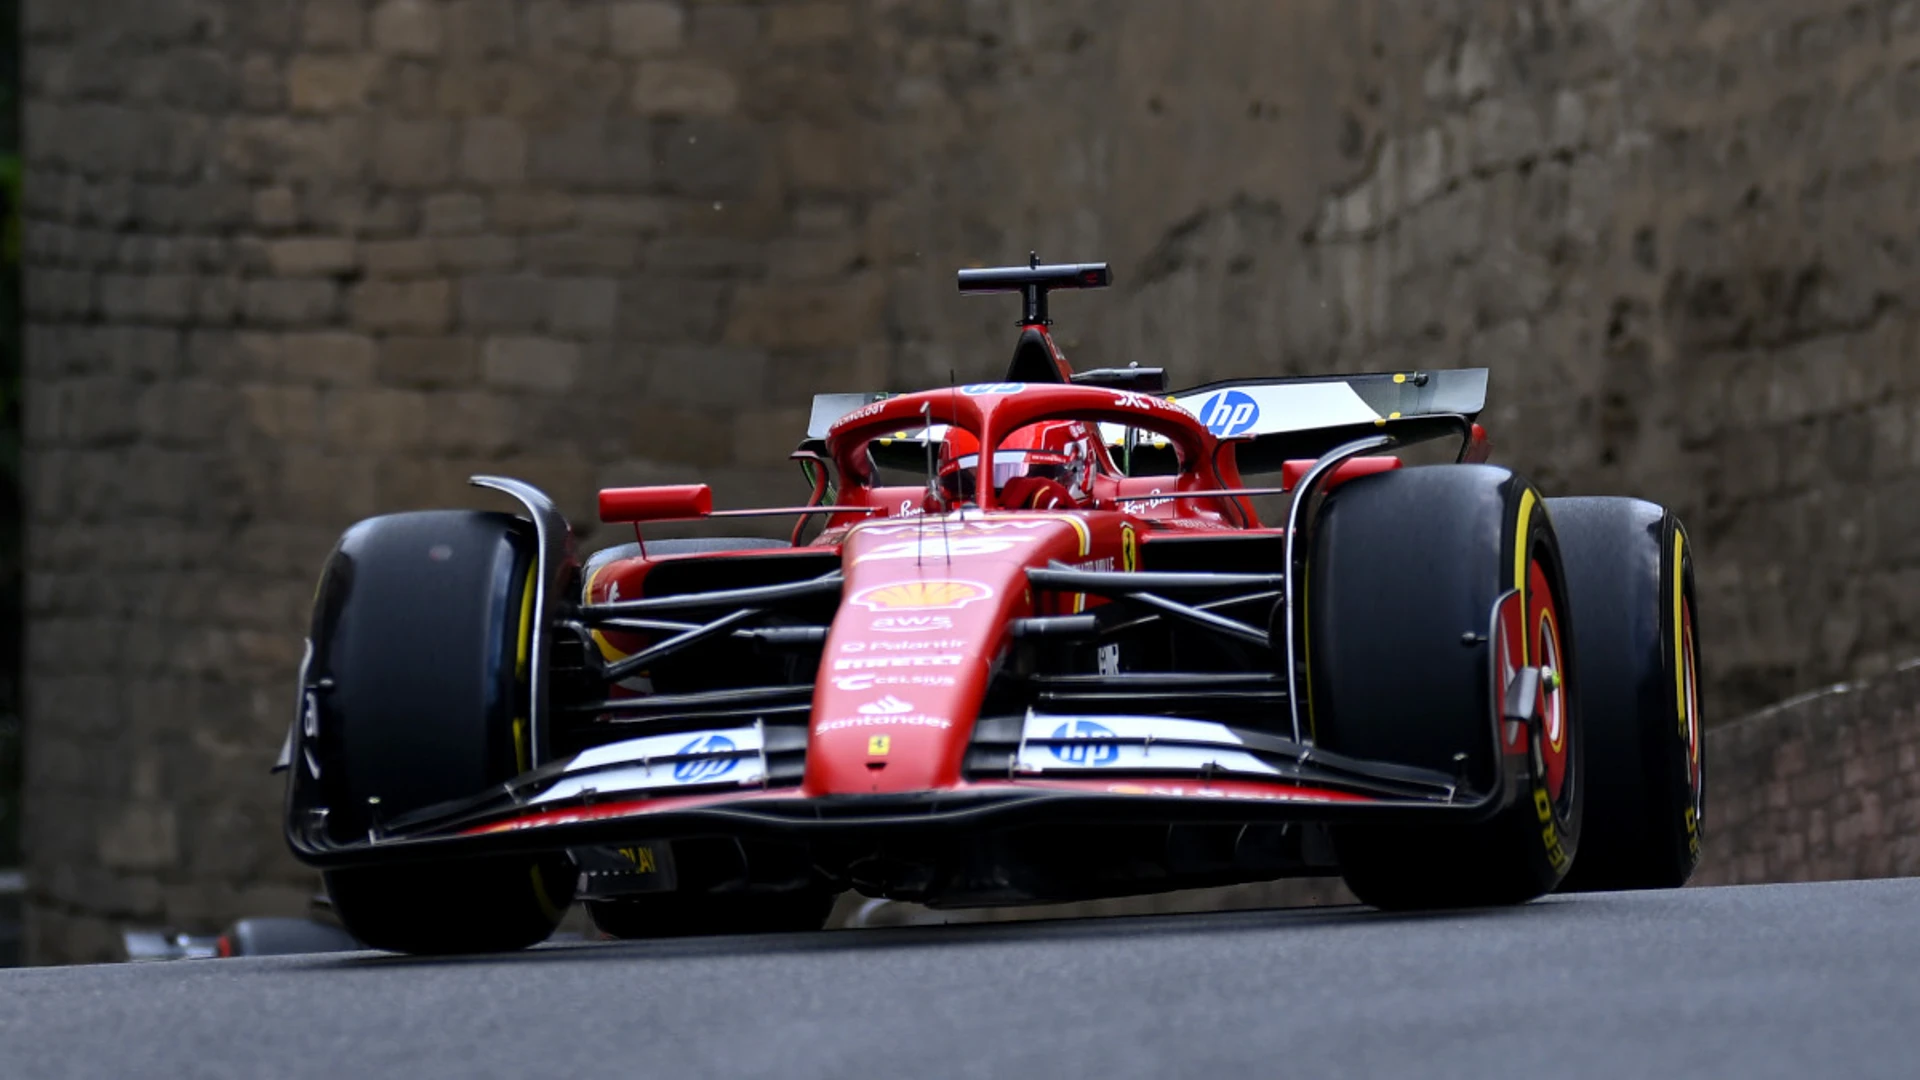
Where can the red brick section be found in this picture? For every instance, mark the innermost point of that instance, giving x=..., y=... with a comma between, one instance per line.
x=1820, y=788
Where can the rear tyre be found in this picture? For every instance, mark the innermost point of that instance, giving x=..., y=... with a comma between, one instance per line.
x=1403, y=575
x=675, y=914
x=420, y=635
x=1630, y=572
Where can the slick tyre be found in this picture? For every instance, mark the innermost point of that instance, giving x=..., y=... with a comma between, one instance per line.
x=417, y=692
x=661, y=915
x=1629, y=572
x=1408, y=665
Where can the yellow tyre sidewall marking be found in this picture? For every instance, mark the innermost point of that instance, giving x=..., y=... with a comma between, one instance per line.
x=1683, y=700
x=1679, y=632
x=1542, y=800
x=541, y=896
x=522, y=655
x=1520, y=554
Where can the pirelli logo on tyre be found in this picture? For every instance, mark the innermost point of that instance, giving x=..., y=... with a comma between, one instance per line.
x=1550, y=836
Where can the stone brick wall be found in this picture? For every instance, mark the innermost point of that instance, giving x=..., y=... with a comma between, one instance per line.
x=1681, y=235
x=1825, y=787
x=293, y=262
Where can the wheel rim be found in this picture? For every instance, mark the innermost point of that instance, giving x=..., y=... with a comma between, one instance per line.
x=1530, y=635
x=1546, y=653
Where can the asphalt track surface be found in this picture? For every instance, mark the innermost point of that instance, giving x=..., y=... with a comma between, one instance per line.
x=1783, y=980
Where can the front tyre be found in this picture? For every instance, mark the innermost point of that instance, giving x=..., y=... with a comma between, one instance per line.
x=417, y=689
x=485, y=905
x=1403, y=574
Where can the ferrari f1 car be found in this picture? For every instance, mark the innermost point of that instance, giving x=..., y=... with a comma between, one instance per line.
x=1041, y=648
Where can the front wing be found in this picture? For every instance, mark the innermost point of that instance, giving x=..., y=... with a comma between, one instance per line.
x=1061, y=769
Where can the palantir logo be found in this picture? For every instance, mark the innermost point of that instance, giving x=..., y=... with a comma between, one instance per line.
x=705, y=768
x=1231, y=413
x=1103, y=752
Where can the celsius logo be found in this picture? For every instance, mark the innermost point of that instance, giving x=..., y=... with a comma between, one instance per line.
x=868, y=682
x=886, y=706
x=1102, y=752
x=986, y=388
x=1231, y=413
x=710, y=767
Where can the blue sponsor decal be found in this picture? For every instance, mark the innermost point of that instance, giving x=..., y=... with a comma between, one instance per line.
x=1091, y=753
x=705, y=768
x=985, y=388
x=1231, y=413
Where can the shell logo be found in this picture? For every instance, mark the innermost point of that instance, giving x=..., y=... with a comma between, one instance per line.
x=937, y=595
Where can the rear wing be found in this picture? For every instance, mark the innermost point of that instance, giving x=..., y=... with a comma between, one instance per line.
x=1305, y=416
x=1272, y=420
x=1275, y=406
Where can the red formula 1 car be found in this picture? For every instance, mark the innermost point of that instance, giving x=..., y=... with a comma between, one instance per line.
x=1043, y=648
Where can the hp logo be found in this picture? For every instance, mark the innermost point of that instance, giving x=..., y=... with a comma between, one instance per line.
x=705, y=768
x=1103, y=752
x=1231, y=413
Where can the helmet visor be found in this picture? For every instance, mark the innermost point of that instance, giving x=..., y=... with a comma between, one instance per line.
x=958, y=479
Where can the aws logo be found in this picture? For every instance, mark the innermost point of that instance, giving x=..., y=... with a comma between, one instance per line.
x=911, y=624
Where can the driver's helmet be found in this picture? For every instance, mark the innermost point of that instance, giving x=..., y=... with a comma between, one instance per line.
x=1057, y=450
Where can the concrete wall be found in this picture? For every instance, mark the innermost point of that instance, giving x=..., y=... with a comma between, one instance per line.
x=292, y=262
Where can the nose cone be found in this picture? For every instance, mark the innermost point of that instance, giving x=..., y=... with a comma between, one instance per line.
x=922, y=621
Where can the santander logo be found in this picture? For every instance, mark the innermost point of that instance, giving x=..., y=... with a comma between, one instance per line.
x=884, y=712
